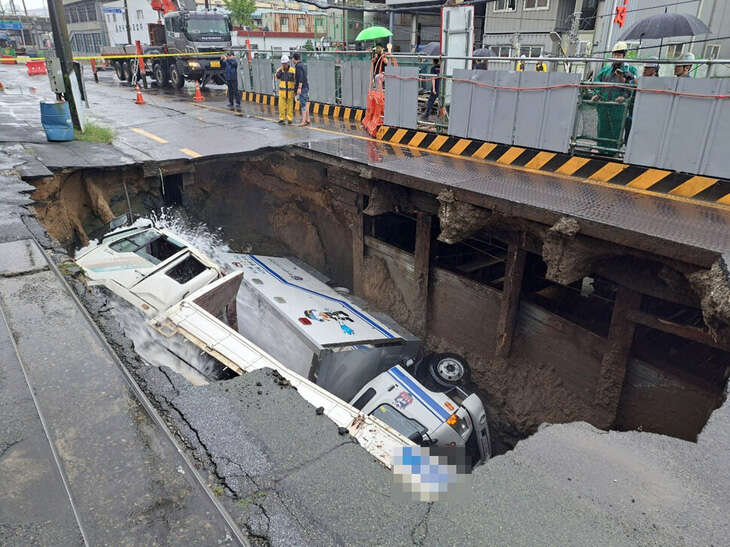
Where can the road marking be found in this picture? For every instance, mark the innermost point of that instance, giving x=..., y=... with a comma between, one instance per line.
x=533, y=166
x=191, y=153
x=693, y=186
x=149, y=135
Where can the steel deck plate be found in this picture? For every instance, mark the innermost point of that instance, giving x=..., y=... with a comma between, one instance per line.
x=682, y=222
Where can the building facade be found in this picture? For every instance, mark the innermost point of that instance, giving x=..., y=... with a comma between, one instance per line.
x=141, y=15
x=86, y=25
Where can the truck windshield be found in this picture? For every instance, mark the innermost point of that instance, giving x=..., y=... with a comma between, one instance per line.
x=149, y=245
x=207, y=25
x=405, y=426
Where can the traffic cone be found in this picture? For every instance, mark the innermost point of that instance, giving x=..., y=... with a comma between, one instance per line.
x=198, y=97
x=1, y=87
x=139, y=100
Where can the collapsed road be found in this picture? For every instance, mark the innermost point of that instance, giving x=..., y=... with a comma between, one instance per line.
x=275, y=470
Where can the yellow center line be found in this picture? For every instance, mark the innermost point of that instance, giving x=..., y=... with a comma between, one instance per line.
x=148, y=135
x=191, y=153
x=546, y=156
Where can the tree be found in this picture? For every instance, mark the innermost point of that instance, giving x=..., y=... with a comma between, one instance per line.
x=309, y=46
x=241, y=10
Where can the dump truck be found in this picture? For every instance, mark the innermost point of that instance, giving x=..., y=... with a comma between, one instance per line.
x=178, y=31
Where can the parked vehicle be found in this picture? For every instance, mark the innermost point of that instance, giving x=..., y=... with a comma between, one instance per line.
x=181, y=31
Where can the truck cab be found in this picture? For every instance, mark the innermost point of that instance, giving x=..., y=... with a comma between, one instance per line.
x=196, y=32
x=452, y=420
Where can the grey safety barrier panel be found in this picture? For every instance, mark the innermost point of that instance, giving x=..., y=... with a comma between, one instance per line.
x=535, y=118
x=355, y=77
x=401, y=97
x=664, y=125
x=321, y=77
x=244, y=75
x=263, y=73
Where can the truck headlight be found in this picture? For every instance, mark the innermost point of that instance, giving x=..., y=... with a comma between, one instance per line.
x=194, y=64
x=460, y=425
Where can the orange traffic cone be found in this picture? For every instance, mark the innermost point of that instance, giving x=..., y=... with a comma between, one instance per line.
x=1, y=86
x=139, y=100
x=198, y=97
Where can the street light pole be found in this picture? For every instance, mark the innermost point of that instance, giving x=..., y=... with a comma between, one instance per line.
x=63, y=52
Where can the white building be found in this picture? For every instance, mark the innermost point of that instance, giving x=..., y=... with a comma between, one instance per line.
x=140, y=15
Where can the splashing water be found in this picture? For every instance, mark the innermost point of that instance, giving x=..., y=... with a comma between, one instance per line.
x=210, y=242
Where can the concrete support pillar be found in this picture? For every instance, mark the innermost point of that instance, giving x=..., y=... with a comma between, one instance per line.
x=615, y=360
x=514, y=271
x=423, y=269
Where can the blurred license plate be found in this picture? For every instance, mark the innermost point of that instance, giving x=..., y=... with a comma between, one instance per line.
x=215, y=64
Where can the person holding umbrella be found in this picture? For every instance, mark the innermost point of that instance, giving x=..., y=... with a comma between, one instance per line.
x=434, y=93
x=380, y=61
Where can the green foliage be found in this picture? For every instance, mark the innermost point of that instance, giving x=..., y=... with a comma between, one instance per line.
x=241, y=10
x=95, y=133
x=309, y=46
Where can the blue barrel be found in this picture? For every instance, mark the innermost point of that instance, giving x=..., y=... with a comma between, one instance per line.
x=56, y=120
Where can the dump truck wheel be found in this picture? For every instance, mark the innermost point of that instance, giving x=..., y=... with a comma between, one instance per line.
x=448, y=369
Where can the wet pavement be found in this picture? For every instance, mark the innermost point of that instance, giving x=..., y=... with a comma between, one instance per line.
x=296, y=480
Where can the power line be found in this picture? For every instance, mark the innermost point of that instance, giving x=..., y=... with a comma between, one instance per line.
x=647, y=8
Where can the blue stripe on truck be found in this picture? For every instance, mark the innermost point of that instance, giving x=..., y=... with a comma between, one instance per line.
x=418, y=392
x=342, y=302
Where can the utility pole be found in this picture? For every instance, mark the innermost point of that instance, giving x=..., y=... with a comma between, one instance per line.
x=63, y=52
x=126, y=21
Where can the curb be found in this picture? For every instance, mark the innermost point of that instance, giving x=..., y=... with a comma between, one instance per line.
x=322, y=109
x=685, y=185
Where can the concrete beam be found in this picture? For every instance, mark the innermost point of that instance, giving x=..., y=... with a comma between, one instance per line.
x=423, y=269
x=358, y=250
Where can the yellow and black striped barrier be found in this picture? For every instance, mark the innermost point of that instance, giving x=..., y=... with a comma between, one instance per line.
x=608, y=171
x=336, y=112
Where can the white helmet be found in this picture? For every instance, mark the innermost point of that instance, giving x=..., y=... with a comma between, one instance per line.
x=284, y=59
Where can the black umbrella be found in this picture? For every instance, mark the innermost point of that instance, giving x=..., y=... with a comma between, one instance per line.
x=665, y=25
x=483, y=52
x=432, y=48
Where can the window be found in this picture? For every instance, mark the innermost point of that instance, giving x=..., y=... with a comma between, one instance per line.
x=364, y=399
x=284, y=23
x=139, y=15
x=114, y=17
x=537, y=4
x=504, y=5
x=502, y=51
x=531, y=51
x=405, y=426
x=675, y=50
x=149, y=245
x=185, y=271
x=302, y=24
x=712, y=51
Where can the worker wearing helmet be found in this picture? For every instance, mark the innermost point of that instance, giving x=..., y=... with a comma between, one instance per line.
x=682, y=71
x=611, y=118
x=651, y=68
x=287, y=78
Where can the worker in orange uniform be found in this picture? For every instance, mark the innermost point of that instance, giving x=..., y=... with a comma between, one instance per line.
x=286, y=76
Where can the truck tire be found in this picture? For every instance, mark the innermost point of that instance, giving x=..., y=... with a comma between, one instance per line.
x=119, y=70
x=127, y=69
x=160, y=74
x=176, y=77
x=448, y=369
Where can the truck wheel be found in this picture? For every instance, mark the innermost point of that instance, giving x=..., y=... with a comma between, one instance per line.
x=119, y=70
x=448, y=369
x=127, y=69
x=176, y=77
x=160, y=75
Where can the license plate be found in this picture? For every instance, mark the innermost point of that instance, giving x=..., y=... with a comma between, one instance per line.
x=215, y=64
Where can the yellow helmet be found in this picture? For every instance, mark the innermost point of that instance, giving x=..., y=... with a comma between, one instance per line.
x=620, y=46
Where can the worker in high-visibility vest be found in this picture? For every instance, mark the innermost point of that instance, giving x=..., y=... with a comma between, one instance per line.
x=287, y=77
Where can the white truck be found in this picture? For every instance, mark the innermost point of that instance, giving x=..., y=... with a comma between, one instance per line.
x=272, y=312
